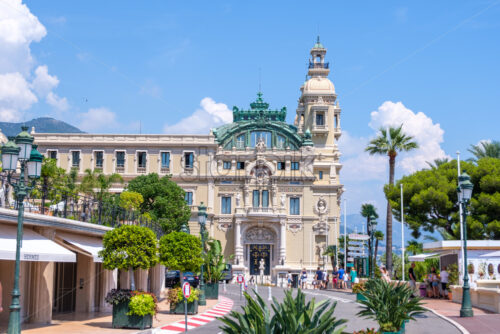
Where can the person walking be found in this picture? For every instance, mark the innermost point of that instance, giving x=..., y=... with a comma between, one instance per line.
x=335, y=274
x=318, y=278
x=444, y=275
x=346, y=280
x=385, y=274
x=289, y=279
x=413, y=279
x=354, y=275
x=341, y=278
x=303, y=278
x=433, y=277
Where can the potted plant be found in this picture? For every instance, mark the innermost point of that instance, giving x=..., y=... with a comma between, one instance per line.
x=390, y=304
x=176, y=301
x=128, y=247
x=132, y=309
x=452, y=278
x=181, y=251
x=358, y=289
x=214, y=268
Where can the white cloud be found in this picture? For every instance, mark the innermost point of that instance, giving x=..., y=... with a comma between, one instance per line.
x=211, y=114
x=426, y=133
x=19, y=84
x=97, y=119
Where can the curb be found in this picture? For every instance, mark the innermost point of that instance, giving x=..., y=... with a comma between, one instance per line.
x=220, y=309
x=453, y=322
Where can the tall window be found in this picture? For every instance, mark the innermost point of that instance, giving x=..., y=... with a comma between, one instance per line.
x=295, y=166
x=226, y=205
x=265, y=198
x=165, y=159
x=99, y=159
x=52, y=154
x=256, y=198
x=281, y=165
x=320, y=119
x=294, y=206
x=141, y=159
x=240, y=141
x=75, y=159
x=321, y=175
x=120, y=159
x=226, y=164
x=188, y=160
x=264, y=135
x=280, y=142
x=240, y=165
x=188, y=197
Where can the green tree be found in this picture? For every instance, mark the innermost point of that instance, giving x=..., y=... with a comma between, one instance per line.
x=214, y=261
x=181, y=251
x=97, y=184
x=129, y=247
x=485, y=150
x=379, y=236
x=437, y=162
x=389, y=142
x=163, y=200
x=430, y=200
x=414, y=247
x=130, y=200
x=51, y=178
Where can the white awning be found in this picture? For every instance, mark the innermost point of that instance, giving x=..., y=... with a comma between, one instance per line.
x=33, y=248
x=423, y=257
x=88, y=245
x=492, y=254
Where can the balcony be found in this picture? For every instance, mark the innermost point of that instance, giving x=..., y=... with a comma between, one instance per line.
x=319, y=65
x=260, y=211
x=141, y=170
x=317, y=129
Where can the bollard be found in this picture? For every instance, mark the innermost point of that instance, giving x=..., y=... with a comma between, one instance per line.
x=270, y=298
x=224, y=286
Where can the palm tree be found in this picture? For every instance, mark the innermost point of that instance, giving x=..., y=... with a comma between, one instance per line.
x=485, y=150
x=414, y=247
x=437, y=162
x=368, y=211
x=389, y=142
x=379, y=236
x=95, y=183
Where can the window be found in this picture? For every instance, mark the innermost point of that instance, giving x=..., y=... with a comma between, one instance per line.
x=52, y=154
x=295, y=166
x=264, y=135
x=226, y=165
x=240, y=141
x=165, y=159
x=188, y=160
x=256, y=198
x=336, y=121
x=281, y=165
x=294, y=206
x=99, y=159
x=75, y=159
x=188, y=197
x=141, y=159
x=280, y=142
x=120, y=159
x=321, y=175
x=320, y=119
x=265, y=198
x=226, y=205
x=240, y=165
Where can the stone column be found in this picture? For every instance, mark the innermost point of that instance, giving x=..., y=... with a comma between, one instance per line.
x=141, y=279
x=109, y=281
x=246, y=195
x=124, y=279
x=41, y=293
x=237, y=241
x=283, y=242
x=157, y=277
x=85, y=284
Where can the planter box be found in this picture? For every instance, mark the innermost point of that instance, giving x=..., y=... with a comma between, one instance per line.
x=192, y=308
x=360, y=297
x=122, y=320
x=401, y=331
x=212, y=291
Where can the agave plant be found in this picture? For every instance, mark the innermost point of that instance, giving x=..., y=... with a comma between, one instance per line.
x=293, y=315
x=390, y=304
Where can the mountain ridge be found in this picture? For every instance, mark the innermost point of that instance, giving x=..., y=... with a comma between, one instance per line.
x=41, y=124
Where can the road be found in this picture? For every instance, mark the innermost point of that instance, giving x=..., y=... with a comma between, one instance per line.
x=347, y=308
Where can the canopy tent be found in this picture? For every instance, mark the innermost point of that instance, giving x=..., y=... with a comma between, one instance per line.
x=84, y=244
x=492, y=254
x=423, y=257
x=34, y=247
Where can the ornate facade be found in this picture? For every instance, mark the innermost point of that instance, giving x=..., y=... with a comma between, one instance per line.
x=272, y=189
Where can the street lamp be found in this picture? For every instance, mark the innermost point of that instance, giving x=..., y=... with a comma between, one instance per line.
x=20, y=149
x=372, y=223
x=202, y=219
x=464, y=191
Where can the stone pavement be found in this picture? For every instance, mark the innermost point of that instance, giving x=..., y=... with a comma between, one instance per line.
x=483, y=322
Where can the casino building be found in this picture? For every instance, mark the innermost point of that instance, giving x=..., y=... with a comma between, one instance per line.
x=272, y=189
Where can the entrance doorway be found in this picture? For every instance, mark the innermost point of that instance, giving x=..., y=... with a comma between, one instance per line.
x=258, y=252
x=64, y=287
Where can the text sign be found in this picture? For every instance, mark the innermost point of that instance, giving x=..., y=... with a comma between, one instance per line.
x=357, y=236
x=240, y=279
x=359, y=249
x=186, y=290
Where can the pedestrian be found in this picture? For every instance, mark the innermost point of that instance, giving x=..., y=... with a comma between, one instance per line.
x=354, y=276
x=385, y=274
x=335, y=274
x=341, y=277
x=346, y=280
x=303, y=278
x=318, y=278
x=444, y=275
x=324, y=283
x=289, y=279
x=433, y=277
x=413, y=279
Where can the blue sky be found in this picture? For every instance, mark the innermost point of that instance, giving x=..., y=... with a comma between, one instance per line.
x=108, y=66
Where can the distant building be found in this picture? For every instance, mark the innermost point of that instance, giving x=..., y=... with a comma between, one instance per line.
x=272, y=189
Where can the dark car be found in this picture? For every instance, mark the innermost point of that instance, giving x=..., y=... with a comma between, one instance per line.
x=192, y=279
x=171, y=278
x=227, y=273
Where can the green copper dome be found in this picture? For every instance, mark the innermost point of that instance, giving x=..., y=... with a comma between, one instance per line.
x=318, y=44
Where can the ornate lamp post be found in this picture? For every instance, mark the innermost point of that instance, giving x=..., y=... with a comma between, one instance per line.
x=464, y=195
x=20, y=150
x=202, y=219
x=371, y=232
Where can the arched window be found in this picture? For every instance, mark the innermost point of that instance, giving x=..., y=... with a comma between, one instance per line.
x=264, y=135
x=280, y=142
x=240, y=141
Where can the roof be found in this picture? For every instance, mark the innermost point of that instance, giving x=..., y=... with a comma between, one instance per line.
x=455, y=244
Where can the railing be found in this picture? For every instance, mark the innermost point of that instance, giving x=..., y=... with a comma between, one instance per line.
x=260, y=210
x=319, y=65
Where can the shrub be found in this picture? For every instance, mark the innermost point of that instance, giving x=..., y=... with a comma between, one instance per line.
x=116, y=296
x=358, y=288
x=181, y=251
x=366, y=331
x=175, y=296
x=142, y=304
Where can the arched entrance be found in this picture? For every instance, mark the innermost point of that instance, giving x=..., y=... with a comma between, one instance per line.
x=260, y=244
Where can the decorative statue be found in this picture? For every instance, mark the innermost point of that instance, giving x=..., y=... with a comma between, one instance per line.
x=238, y=199
x=283, y=199
x=262, y=266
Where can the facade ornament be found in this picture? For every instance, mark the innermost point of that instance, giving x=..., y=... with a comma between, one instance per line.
x=321, y=206
x=259, y=234
x=260, y=147
x=238, y=200
x=294, y=226
x=283, y=200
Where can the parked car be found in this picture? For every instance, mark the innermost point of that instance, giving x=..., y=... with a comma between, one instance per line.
x=172, y=278
x=193, y=279
x=228, y=273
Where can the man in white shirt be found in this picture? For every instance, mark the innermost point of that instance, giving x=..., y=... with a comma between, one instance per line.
x=444, y=280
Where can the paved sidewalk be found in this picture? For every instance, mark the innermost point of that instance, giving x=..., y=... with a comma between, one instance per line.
x=483, y=322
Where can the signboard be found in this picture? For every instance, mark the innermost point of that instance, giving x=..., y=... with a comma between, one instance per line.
x=357, y=254
x=357, y=236
x=186, y=290
x=350, y=259
x=240, y=279
x=360, y=249
x=350, y=265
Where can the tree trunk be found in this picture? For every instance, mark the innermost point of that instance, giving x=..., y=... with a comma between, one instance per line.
x=388, y=250
x=132, y=279
x=375, y=254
